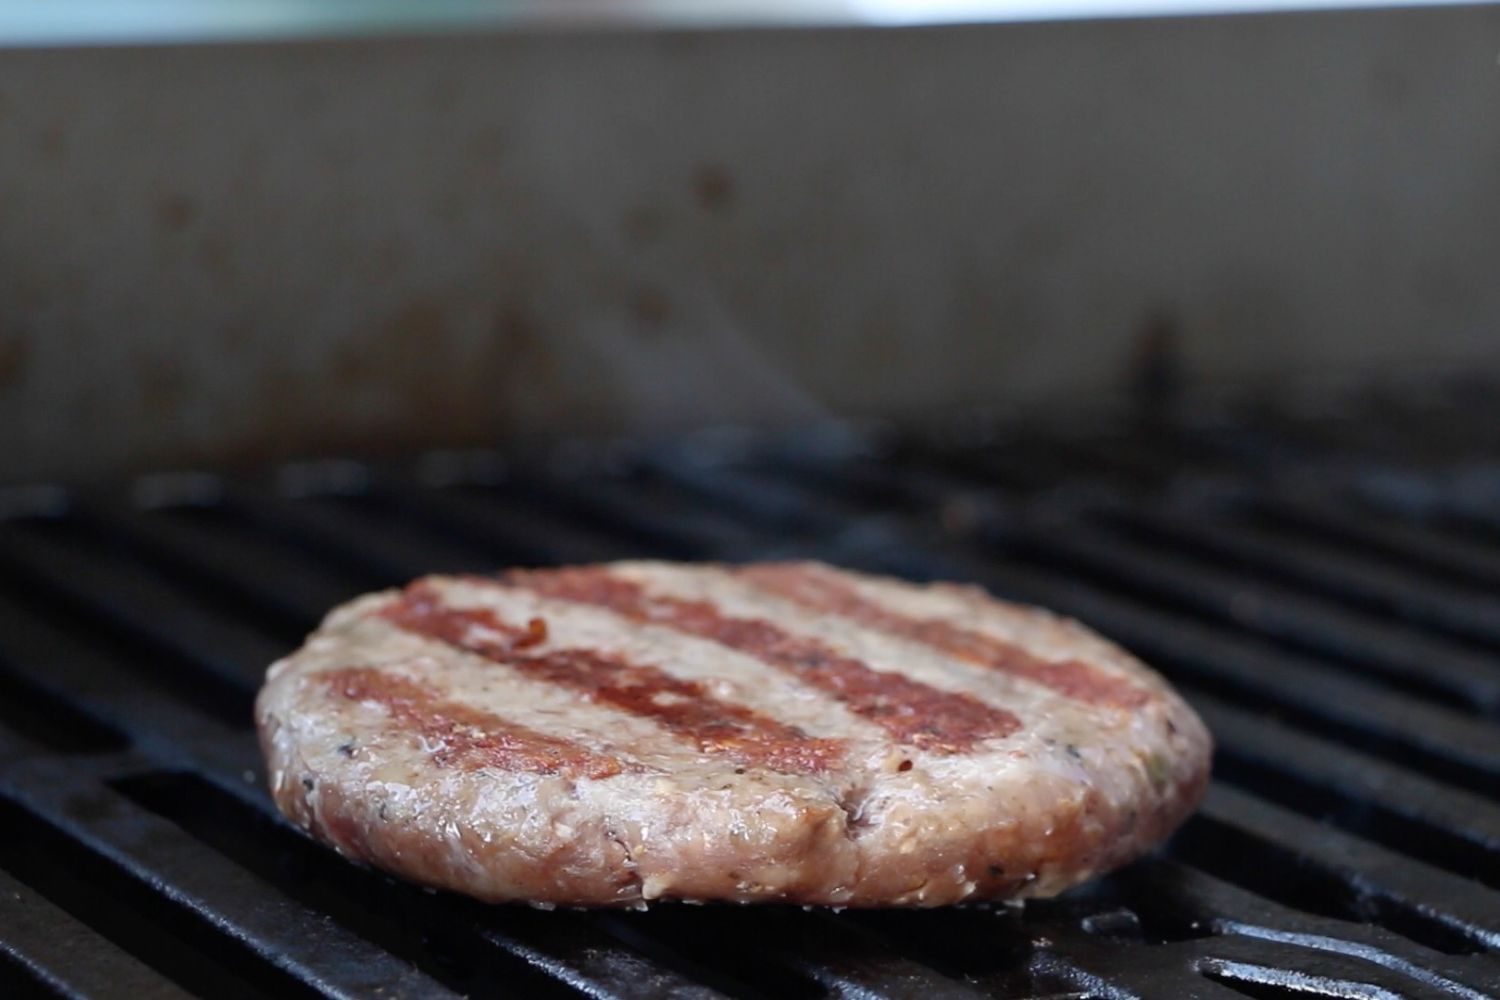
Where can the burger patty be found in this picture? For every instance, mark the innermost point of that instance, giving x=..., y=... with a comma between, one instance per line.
x=790, y=732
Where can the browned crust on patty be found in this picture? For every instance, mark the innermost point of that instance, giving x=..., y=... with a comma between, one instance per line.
x=602, y=736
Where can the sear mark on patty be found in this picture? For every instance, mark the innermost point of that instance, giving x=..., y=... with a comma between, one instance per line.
x=821, y=590
x=466, y=737
x=914, y=713
x=682, y=707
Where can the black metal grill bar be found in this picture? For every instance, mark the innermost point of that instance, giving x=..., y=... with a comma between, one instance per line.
x=453, y=940
x=497, y=522
x=47, y=943
x=868, y=481
x=1240, y=962
x=1362, y=531
x=644, y=521
x=1420, y=892
x=579, y=956
x=198, y=883
x=222, y=651
x=1244, y=961
x=1416, y=663
x=1188, y=898
x=45, y=715
x=123, y=693
x=346, y=524
x=872, y=972
x=1442, y=824
x=187, y=537
x=1371, y=584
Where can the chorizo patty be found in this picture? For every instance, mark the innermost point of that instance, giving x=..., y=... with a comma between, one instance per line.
x=779, y=732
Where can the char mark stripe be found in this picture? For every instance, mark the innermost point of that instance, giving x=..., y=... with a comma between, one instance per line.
x=913, y=713
x=682, y=707
x=469, y=738
x=818, y=589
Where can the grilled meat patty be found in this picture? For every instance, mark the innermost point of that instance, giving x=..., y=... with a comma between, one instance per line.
x=607, y=735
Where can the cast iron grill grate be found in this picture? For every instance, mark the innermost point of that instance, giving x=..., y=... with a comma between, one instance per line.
x=1330, y=604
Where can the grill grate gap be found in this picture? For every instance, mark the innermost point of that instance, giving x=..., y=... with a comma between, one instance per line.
x=17, y=982
x=1240, y=858
x=426, y=929
x=50, y=720
x=131, y=916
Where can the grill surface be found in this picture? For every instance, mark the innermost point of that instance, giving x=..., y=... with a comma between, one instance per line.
x=1326, y=592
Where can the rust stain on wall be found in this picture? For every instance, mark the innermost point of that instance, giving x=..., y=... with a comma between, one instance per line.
x=713, y=185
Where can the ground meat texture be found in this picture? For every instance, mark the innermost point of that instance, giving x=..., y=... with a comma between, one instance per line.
x=608, y=735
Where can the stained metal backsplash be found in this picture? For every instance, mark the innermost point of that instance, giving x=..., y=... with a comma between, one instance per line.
x=212, y=252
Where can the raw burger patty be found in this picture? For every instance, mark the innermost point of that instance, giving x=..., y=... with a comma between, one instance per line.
x=607, y=735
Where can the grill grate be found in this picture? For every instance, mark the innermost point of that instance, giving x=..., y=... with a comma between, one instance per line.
x=1326, y=600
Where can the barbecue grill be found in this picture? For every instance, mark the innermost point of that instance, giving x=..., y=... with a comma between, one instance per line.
x=1323, y=589
x=236, y=233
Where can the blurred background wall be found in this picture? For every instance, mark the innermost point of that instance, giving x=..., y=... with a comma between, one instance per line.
x=221, y=253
